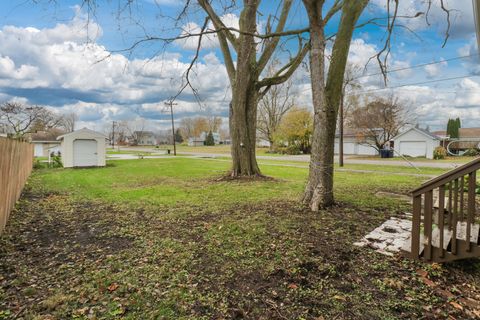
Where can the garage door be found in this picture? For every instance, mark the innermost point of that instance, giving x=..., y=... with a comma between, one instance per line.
x=349, y=148
x=366, y=150
x=413, y=148
x=85, y=153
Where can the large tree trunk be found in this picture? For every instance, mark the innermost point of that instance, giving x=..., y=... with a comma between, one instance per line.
x=243, y=110
x=243, y=114
x=326, y=97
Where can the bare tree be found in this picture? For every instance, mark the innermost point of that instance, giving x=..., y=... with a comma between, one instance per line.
x=69, y=121
x=187, y=128
x=273, y=106
x=327, y=90
x=21, y=119
x=214, y=123
x=379, y=120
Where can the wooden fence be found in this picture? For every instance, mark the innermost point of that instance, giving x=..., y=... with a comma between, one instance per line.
x=16, y=162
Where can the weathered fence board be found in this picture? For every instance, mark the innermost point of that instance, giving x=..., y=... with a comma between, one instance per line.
x=16, y=162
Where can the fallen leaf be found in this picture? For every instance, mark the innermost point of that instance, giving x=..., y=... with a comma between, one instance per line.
x=114, y=286
x=456, y=305
x=428, y=282
x=422, y=273
x=339, y=297
x=292, y=286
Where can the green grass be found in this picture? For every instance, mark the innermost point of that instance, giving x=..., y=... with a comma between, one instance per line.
x=165, y=239
x=193, y=181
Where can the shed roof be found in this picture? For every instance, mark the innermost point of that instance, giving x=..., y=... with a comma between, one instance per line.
x=426, y=133
x=84, y=130
x=45, y=136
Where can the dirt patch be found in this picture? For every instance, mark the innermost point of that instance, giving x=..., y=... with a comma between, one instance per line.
x=61, y=258
x=256, y=178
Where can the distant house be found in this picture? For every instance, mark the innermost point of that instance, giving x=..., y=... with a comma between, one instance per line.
x=468, y=138
x=45, y=142
x=354, y=143
x=200, y=141
x=145, y=138
x=416, y=142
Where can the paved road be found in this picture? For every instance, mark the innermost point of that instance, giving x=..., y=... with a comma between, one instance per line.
x=306, y=158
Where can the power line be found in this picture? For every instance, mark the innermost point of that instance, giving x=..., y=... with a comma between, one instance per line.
x=418, y=66
x=418, y=83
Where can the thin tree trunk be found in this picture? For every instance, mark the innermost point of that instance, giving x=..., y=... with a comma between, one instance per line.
x=318, y=191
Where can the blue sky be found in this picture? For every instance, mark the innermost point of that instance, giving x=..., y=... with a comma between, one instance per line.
x=48, y=56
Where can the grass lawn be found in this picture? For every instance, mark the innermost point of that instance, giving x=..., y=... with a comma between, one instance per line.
x=167, y=239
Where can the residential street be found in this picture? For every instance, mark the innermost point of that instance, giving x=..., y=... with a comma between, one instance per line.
x=306, y=158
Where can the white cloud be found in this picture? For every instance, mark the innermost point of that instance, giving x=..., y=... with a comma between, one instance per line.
x=461, y=15
x=209, y=40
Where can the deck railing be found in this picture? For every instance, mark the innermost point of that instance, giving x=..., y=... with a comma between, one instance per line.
x=444, y=208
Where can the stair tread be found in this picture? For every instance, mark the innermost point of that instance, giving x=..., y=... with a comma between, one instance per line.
x=462, y=231
x=447, y=236
x=407, y=246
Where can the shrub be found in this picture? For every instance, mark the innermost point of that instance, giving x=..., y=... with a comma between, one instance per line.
x=293, y=149
x=56, y=160
x=439, y=153
x=471, y=153
x=209, y=141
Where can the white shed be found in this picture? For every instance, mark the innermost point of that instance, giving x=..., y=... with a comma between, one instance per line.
x=416, y=142
x=83, y=148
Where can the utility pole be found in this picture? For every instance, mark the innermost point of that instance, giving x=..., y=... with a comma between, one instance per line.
x=113, y=134
x=171, y=104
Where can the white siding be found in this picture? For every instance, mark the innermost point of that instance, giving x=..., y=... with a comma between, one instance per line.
x=352, y=147
x=415, y=144
x=68, y=141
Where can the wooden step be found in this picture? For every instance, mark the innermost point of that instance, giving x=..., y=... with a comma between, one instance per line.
x=407, y=247
x=462, y=231
x=447, y=236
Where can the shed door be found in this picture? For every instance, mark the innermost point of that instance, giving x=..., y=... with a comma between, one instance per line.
x=413, y=148
x=85, y=153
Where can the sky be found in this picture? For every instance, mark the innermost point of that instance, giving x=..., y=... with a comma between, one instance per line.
x=78, y=59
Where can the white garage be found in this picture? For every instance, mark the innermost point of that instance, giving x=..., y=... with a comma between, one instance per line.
x=83, y=148
x=416, y=142
x=351, y=146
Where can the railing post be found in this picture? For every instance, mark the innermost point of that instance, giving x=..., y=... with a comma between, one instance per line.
x=417, y=211
x=427, y=224
x=462, y=191
x=472, y=185
x=441, y=212
x=454, y=217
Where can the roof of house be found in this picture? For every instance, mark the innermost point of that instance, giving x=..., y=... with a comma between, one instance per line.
x=143, y=132
x=95, y=133
x=424, y=132
x=46, y=136
x=463, y=132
